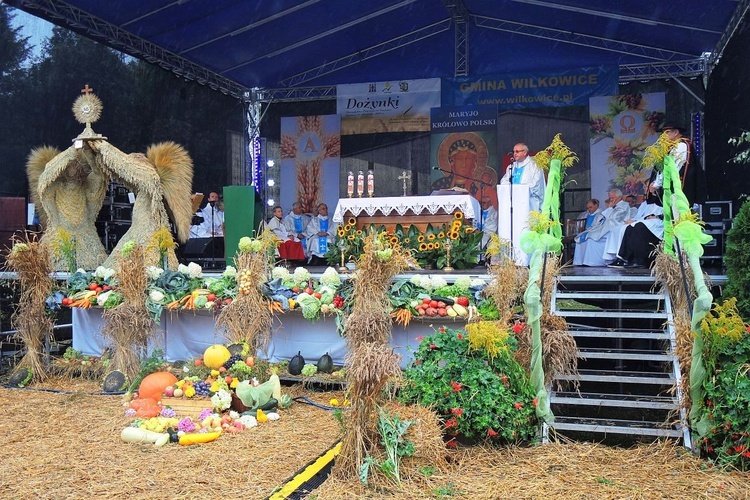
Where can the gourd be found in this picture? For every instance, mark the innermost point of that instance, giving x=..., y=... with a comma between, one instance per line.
x=285, y=401
x=198, y=437
x=276, y=383
x=136, y=435
x=145, y=407
x=215, y=356
x=296, y=364
x=153, y=385
x=325, y=364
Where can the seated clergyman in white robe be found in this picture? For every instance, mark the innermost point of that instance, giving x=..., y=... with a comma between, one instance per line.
x=590, y=243
x=616, y=234
x=296, y=223
x=321, y=233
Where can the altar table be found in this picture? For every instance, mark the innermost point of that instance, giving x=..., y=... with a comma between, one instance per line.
x=405, y=210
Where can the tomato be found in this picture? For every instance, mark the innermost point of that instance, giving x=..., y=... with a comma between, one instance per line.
x=295, y=289
x=317, y=295
x=93, y=286
x=98, y=289
x=67, y=301
x=211, y=297
x=462, y=301
x=426, y=301
x=434, y=304
x=309, y=291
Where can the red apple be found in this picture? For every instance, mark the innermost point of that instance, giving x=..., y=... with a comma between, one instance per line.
x=250, y=361
x=198, y=362
x=169, y=391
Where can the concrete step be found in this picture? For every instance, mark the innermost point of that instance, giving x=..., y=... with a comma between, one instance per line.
x=620, y=377
x=594, y=353
x=620, y=334
x=599, y=295
x=611, y=313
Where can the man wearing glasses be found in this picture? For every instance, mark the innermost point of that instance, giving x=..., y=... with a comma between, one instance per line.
x=524, y=170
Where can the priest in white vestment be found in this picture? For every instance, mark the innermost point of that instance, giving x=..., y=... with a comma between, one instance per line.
x=321, y=233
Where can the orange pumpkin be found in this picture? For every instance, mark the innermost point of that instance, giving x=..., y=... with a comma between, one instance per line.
x=145, y=407
x=153, y=385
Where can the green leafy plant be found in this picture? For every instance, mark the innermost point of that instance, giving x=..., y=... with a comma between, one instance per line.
x=393, y=437
x=737, y=260
x=477, y=396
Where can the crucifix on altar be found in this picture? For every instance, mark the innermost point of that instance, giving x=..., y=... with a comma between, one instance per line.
x=404, y=177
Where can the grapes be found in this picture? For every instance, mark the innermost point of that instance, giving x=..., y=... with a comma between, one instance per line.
x=202, y=388
x=231, y=361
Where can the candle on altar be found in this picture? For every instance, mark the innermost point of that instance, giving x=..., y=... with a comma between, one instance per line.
x=360, y=184
x=350, y=184
x=370, y=183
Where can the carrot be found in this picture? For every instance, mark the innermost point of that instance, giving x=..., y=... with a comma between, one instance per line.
x=275, y=306
x=402, y=316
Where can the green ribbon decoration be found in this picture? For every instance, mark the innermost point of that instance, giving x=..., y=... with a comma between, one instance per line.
x=691, y=237
x=551, y=202
x=531, y=241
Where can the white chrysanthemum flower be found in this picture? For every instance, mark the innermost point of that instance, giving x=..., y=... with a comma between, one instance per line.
x=301, y=275
x=331, y=277
x=230, y=272
x=221, y=400
x=195, y=271
x=438, y=282
x=280, y=272
x=154, y=272
x=182, y=268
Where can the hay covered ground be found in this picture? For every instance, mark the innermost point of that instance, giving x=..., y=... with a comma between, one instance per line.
x=67, y=445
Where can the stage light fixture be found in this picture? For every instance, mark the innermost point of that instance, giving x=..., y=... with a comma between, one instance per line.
x=270, y=163
x=271, y=183
x=271, y=202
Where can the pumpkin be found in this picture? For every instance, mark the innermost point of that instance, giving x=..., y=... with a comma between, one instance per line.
x=215, y=356
x=145, y=407
x=325, y=364
x=296, y=364
x=153, y=385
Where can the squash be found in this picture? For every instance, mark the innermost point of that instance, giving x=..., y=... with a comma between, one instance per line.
x=285, y=401
x=215, y=356
x=325, y=364
x=115, y=381
x=136, y=435
x=296, y=364
x=153, y=385
x=276, y=382
x=145, y=407
x=199, y=438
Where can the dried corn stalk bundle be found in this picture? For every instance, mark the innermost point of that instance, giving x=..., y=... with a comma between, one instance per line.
x=248, y=318
x=128, y=325
x=370, y=362
x=30, y=260
x=507, y=284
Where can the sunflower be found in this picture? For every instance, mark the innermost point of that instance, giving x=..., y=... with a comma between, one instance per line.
x=351, y=221
x=393, y=240
x=468, y=229
x=437, y=245
x=359, y=232
x=458, y=215
x=341, y=232
x=430, y=237
x=420, y=238
x=407, y=241
x=453, y=235
x=430, y=246
x=350, y=237
x=441, y=235
x=456, y=226
x=422, y=247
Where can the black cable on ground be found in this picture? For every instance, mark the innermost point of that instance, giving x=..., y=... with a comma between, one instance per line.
x=61, y=391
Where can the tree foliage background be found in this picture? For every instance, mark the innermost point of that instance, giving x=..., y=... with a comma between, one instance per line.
x=143, y=104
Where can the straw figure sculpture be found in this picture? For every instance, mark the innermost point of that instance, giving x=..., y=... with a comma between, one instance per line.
x=128, y=326
x=29, y=259
x=370, y=361
x=69, y=191
x=164, y=173
x=248, y=318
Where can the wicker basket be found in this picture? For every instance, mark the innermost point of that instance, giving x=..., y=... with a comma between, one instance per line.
x=187, y=407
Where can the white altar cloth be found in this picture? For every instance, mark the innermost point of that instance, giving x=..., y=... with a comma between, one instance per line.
x=402, y=204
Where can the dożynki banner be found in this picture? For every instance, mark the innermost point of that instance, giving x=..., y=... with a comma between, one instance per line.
x=572, y=87
x=396, y=106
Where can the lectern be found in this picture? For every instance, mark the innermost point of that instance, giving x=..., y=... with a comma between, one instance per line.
x=511, y=228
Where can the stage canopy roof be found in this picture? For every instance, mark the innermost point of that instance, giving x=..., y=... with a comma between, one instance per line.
x=299, y=49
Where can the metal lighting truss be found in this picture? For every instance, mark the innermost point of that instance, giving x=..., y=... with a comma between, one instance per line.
x=460, y=15
x=109, y=34
x=739, y=14
x=595, y=42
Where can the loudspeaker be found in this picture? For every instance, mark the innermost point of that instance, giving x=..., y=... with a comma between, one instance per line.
x=204, y=248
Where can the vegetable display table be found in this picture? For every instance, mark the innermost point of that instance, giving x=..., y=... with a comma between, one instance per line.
x=186, y=335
